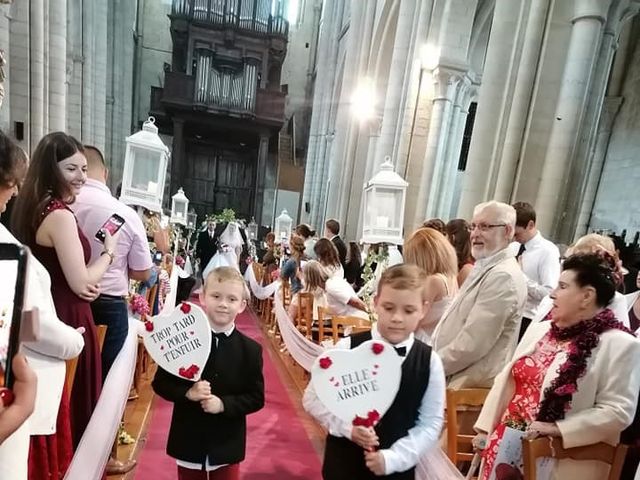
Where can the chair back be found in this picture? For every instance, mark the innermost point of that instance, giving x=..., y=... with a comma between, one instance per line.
x=323, y=332
x=305, y=313
x=340, y=324
x=467, y=397
x=101, y=332
x=552, y=447
x=286, y=292
x=258, y=272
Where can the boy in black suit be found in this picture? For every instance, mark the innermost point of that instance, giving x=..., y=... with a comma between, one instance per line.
x=208, y=427
x=413, y=423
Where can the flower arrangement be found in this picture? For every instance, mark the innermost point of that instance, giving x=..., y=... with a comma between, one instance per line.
x=368, y=274
x=180, y=261
x=226, y=216
x=139, y=305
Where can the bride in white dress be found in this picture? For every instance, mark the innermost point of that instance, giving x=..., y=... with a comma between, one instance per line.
x=229, y=250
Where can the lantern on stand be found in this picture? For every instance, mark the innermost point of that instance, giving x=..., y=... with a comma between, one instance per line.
x=192, y=224
x=252, y=232
x=283, y=227
x=145, y=168
x=179, y=209
x=384, y=199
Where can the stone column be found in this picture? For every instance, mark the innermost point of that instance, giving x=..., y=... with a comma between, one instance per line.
x=261, y=165
x=57, y=64
x=393, y=96
x=581, y=57
x=610, y=111
x=445, y=83
x=516, y=124
x=37, y=84
x=99, y=100
x=88, y=57
x=448, y=179
x=5, y=102
x=17, y=70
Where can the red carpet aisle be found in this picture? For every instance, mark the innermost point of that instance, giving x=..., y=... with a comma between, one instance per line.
x=277, y=445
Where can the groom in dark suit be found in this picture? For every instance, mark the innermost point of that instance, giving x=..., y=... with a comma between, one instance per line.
x=207, y=244
x=332, y=232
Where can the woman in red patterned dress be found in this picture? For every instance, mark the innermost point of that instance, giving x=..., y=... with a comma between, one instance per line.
x=575, y=377
x=43, y=221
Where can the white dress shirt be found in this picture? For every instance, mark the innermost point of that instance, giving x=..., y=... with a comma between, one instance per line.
x=406, y=451
x=541, y=267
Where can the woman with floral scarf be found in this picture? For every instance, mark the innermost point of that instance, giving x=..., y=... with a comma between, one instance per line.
x=576, y=377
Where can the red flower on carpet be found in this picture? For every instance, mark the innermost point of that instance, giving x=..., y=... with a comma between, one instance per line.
x=325, y=362
x=148, y=326
x=189, y=372
x=377, y=348
x=185, y=307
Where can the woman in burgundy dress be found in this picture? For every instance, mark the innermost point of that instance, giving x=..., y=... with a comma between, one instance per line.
x=43, y=221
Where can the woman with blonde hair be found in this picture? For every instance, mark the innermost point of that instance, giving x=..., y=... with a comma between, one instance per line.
x=327, y=254
x=431, y=251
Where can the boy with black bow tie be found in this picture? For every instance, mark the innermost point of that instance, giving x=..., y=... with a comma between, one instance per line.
x=413, y=423
x=208, y=429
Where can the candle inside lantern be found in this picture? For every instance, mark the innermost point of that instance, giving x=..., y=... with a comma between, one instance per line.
x=152, y=187
x=382, y=222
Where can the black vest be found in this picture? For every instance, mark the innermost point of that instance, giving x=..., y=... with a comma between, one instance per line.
x=343, y=459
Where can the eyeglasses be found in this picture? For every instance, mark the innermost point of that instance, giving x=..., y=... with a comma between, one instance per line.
x=485, y=227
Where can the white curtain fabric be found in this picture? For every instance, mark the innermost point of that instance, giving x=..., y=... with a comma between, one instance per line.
x=95, y=446
x=259, y=291
x=170, y=301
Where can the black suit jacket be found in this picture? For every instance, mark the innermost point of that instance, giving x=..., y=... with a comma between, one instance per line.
x=207, y=247
x=234, y=371
x=342, y=249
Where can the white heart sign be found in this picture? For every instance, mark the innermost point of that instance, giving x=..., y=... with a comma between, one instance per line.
x=180, y=343
x=360, y=384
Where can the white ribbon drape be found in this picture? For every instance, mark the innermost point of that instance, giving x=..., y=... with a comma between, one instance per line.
x=95, y=445
x=258, y=290
x=170, y=301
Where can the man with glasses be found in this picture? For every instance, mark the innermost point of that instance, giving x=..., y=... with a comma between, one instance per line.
x=478, y=332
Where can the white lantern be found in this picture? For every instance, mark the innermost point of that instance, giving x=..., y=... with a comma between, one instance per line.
x=145, y=168
x=252, y=229
x=384, y=199
x=283, y=226
x=179, y=208
x=192, y=220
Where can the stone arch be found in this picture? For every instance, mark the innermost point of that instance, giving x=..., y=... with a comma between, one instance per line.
x=382, y=46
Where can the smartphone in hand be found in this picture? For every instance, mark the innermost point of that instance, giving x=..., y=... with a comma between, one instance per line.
x=13, y=273
x=112, y=225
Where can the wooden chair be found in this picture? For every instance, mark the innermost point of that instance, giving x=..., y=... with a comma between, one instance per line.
x=552, y=447
x=323, y=332
x=468, y=397
x=72, y=363
x=304, y=320
x=286, y=293
x=340, y=324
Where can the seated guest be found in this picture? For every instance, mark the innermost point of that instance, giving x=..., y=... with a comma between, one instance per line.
x=291, y=270
x=269, y=259
x=633, y=303
x=341, y=299
x=459, y=236
x=353, y=266
x=591, y=243
x=314, y=279
x=575, y=377
x=327, y=254
x=308, y=235
x=431, y=251
x=436, y=224
x=477, y=334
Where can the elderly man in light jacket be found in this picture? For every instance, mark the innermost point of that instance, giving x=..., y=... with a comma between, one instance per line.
x=478, y=333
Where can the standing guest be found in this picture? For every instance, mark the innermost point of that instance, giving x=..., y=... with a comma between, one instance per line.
x=47, y=432
x=436, y=224
x=431, y=251
x=43, y=221
x=353, y=266
x=308, y=235
x=269, y=259
x=292, y=268
x=413, y=422
x=460, y=237
x=208, y=429
x=207, y=245
x=478, y=332
x=539, y=258
x=332, y=232
x=575, y=377
x=327, y=255
x=93, y=207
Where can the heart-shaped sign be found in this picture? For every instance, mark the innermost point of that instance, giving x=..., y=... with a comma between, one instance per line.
x=180, y=343
x=358, y=385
